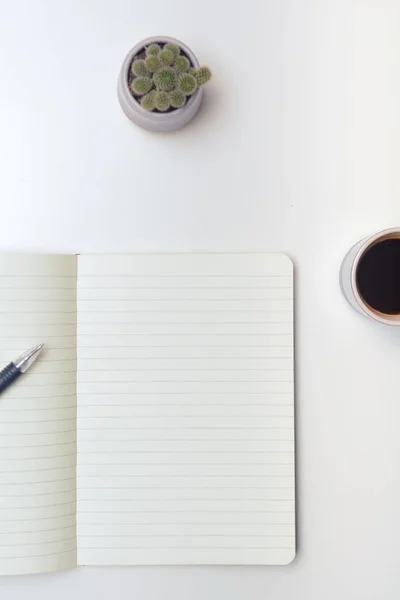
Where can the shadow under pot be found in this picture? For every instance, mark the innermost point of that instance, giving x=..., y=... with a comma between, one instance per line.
x=155, y=85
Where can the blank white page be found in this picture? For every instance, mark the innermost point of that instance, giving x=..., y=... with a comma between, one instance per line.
x=38, y=415
x=185, y=410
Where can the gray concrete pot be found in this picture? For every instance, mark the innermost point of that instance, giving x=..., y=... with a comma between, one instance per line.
x=153, y=121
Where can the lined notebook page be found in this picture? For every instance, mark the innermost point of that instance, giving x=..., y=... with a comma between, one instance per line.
x=185, y=410
x=38, y=415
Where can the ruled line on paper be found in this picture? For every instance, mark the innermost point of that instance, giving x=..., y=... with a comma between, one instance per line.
x=57, y=504
x=220, y=276
x=42, y=543
x=28, y=519
x=40, y=555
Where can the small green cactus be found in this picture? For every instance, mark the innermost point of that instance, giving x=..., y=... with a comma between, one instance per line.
x=148, y=101
x=139, y=68
x=174, y=48
x=162, y=101
x=203, y=75
x=182, y=64
x=142, y=85
x=153, y=49
x=163, y=78
x=152, y=63
x=187, y=83
x=167, y=57
x=177, y=98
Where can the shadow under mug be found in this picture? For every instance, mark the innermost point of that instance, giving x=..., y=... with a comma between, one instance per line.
x=349, y=282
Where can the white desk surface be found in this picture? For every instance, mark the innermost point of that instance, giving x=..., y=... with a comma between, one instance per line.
x=296, y=150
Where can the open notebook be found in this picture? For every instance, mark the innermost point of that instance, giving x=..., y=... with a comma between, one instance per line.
x=157, y=426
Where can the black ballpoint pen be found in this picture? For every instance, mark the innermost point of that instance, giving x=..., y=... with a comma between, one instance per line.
x=16, y=368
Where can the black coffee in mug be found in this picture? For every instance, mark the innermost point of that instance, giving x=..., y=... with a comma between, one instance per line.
x=378, y=276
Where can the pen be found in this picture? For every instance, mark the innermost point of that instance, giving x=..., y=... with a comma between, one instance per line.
x=16, y=368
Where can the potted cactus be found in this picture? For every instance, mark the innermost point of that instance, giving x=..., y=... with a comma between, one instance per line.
x=160, y=86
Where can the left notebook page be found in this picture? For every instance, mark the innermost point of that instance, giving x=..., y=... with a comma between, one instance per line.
x=38, y=415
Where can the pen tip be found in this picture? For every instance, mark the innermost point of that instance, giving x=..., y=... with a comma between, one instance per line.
x=26, y=359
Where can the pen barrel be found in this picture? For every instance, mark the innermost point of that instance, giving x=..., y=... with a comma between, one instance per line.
x=8, y=375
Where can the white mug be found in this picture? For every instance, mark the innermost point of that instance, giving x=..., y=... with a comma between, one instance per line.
x=348, y=277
